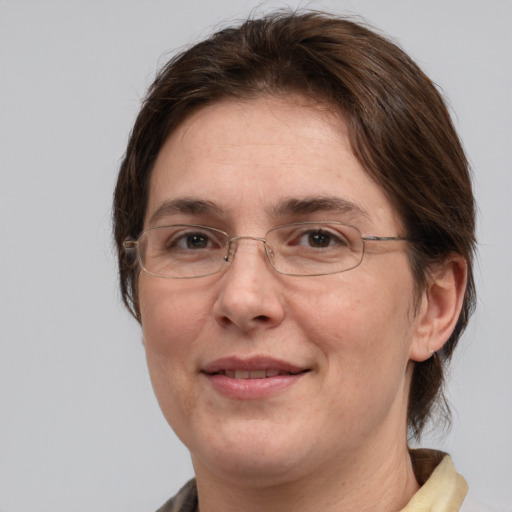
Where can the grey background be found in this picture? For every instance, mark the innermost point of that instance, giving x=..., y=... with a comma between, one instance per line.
x=80, y=429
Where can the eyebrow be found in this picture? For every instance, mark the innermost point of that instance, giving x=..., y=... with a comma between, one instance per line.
x=307, y=205
x=288, y=207
x=184, y=205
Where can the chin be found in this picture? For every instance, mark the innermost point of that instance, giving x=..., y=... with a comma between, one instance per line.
x=261, y=454
x=251, y=467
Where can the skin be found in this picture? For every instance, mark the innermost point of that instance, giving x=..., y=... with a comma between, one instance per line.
x=336, y=438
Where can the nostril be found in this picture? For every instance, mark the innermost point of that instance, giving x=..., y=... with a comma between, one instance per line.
x=262, y=318
x=259, y=319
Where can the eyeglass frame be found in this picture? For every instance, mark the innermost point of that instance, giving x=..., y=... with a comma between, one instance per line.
x=134, y=244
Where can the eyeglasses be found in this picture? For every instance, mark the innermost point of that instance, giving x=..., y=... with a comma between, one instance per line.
x=185, y=251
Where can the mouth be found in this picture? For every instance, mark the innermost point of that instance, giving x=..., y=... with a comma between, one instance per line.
x=256, y=377
x=254, y=374
x=255, y=367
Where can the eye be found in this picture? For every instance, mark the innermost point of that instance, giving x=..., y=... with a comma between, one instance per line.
x=321, y=239
x=182, y=239
x=192, y=241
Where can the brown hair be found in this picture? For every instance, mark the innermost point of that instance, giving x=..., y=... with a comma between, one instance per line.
x=399, y=128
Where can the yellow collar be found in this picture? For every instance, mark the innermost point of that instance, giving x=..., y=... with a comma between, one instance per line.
x=444, y=490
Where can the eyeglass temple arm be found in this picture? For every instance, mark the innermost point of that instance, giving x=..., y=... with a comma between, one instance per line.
x=130, y=244
x=383, y=238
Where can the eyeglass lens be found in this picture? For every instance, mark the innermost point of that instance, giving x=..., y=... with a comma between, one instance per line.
x=302, y=249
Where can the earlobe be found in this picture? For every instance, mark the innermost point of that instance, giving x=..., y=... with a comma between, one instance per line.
x=440, y=306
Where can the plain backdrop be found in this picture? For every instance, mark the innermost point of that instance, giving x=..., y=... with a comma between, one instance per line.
x=80, y=430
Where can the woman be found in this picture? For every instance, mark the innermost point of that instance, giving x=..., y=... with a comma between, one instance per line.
x=295, y=226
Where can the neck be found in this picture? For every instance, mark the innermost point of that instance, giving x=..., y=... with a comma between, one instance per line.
x=383, y=483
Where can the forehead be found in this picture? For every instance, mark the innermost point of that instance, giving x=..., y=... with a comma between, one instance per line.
x=255, y=157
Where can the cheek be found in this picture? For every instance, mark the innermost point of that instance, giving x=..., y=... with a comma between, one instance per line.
x=173, y=318
x=361, y=340
x=172, y=321
x=361, y=321
x=171, y=314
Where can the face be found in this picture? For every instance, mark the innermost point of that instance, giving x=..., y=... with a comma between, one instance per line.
x=327, y=357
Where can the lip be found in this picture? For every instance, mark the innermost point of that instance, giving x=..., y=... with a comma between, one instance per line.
x=279, y=375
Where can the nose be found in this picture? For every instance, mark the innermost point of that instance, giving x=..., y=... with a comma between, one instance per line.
x=250, y=296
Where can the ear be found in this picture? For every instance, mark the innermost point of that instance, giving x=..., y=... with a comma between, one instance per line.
x=440, y=307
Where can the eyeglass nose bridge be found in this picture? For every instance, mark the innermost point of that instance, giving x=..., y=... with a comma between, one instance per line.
x=231, y=246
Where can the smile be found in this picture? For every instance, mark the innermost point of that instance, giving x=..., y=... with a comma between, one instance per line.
x=253, y=374
x=253, y=378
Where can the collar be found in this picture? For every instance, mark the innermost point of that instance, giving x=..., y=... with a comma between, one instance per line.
x=443, y=489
